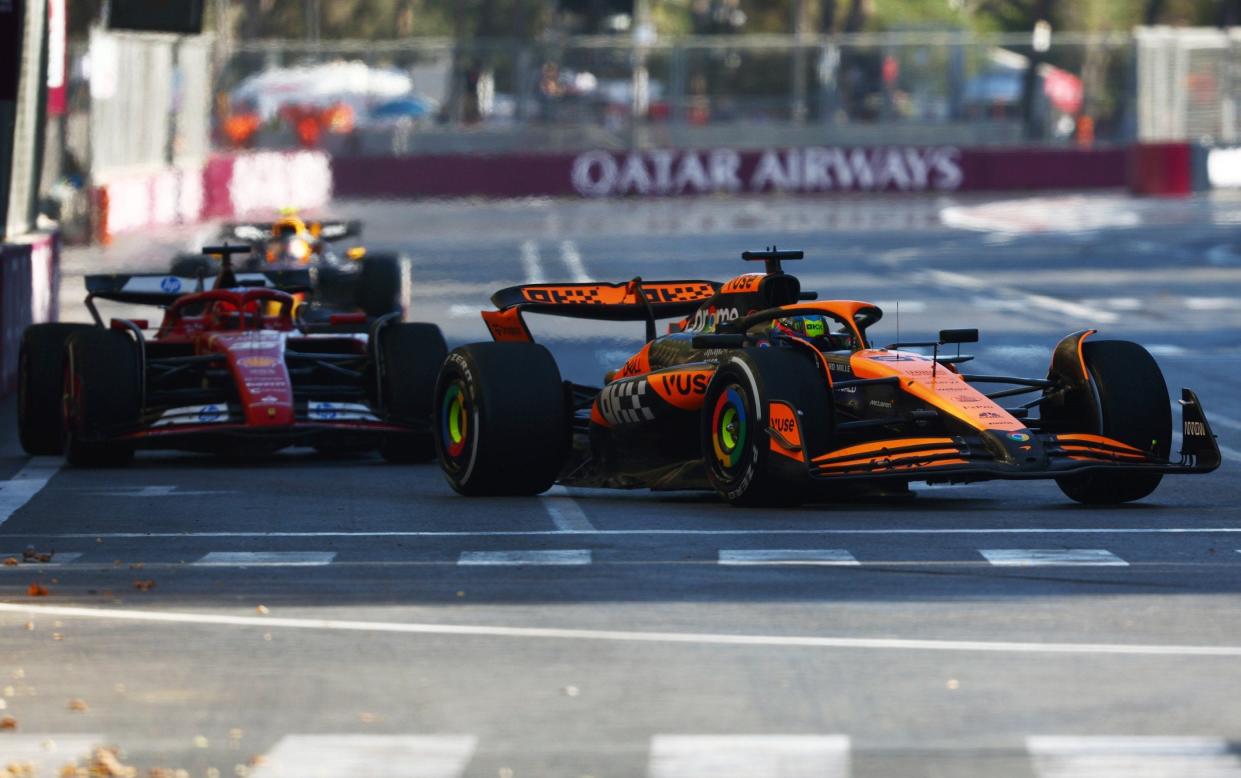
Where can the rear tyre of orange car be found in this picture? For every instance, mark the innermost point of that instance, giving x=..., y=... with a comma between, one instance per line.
x=379, y=284
x=410, y=355
x=103, y=396
x=736, y=446
x=502, y=419
x=1133, y=408
x=41, y=387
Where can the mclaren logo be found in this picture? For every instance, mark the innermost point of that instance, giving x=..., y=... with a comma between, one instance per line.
x=625, y=402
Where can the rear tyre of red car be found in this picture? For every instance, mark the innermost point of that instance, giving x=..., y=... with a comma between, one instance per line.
x=736, y=446
x=502, y=419
x=410, y=355
x=1134, y=409
x=41, y=387
x=379, y=284
x=103, y=397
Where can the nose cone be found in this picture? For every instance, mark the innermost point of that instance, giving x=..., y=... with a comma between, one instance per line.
x=1021, y=449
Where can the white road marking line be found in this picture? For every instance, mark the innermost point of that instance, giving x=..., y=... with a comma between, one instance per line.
x=566, y=514
x=619, y=532
x=798, y=556
x=367, y=756
x=1210, y=303
x=1223, y=421
x=572, y=259
x=28, y=482
x=1046, y=302
x=46, y=753
x=1166, y=350
x=61, y=558
x=749, y=756
x=459, y=311
x=531, y=262
x=155, y=491
x=269, y=623
x=1045, y=557
x=266, y=559
x=907, y=306
x=1126, y=757
x=573, y=556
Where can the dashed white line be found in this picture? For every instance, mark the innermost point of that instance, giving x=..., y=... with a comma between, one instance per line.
x=28, y=482
x=266, y=559
x=1123, y=757
x=1047, y=557
x=572, y=556
x=364, y=756
x=155, y=491
x=749, y=756
x=572, y=259
x=792, y=556
x=531, y=263
x=269, y=623
x=565, y=512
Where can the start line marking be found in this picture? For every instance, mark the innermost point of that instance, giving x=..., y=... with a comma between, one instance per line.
x=623, y=636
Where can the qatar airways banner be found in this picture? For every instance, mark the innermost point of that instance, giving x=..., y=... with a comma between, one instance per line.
x=670, y=173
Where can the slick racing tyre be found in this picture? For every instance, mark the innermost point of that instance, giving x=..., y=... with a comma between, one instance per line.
x=103, y=396
x=379, y=284
x=502, y=419
x=41, y=387
x=736, y=444
x=192, y=265
x=1134, y=409
x=411, y=355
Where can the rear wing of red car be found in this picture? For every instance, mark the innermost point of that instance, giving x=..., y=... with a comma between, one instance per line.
x=162, y=289
x=636, y=300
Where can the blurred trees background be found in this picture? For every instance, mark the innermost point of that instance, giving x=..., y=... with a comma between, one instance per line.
x=379, y=19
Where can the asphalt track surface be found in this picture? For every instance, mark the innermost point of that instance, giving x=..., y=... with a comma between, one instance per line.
x=993, y=629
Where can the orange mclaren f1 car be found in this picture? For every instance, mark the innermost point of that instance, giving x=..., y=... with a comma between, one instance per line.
x=768, y=396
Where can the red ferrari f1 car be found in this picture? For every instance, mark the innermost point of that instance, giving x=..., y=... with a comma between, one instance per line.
x=768, y=396
x=230, y=369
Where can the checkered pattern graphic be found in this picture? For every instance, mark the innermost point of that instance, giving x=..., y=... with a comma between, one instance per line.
x=624, y=402
x=679, y=294
x=613, y=294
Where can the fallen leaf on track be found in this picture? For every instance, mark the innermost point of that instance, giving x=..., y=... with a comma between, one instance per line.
x=11, y=561
x=144, y=586
x=8, y=723
x=262, y=610
x=105, y=763
x=78, y=705
x=36, y=590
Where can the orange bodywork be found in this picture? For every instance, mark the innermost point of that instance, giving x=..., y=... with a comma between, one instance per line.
x=507, y=326
x=939, y=387
x=682, y=389
x=785, y=431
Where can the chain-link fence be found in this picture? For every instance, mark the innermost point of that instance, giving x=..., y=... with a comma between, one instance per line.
x=608, y=92
x=1189, y=84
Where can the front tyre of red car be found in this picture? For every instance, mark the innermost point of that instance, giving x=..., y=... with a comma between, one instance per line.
x=736, y=447
x=502, y=419
x=103, y=396
x=411, y=354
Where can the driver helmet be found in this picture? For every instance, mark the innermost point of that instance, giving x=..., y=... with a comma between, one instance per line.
x=815, y=328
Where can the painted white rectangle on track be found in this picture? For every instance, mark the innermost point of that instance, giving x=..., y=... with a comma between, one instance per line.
x=367, y=756
x=266, y=559
x=1132, y=757
x=1049, y=557
x=564, y=511
x=572, y=556
x=792, y=556
x=29, y=481
x=45, y=754
x=749, y=756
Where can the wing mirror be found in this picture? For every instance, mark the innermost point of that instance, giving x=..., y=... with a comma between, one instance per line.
x=958, y=336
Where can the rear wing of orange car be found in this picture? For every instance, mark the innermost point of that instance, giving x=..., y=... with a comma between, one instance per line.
x=635, y=300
